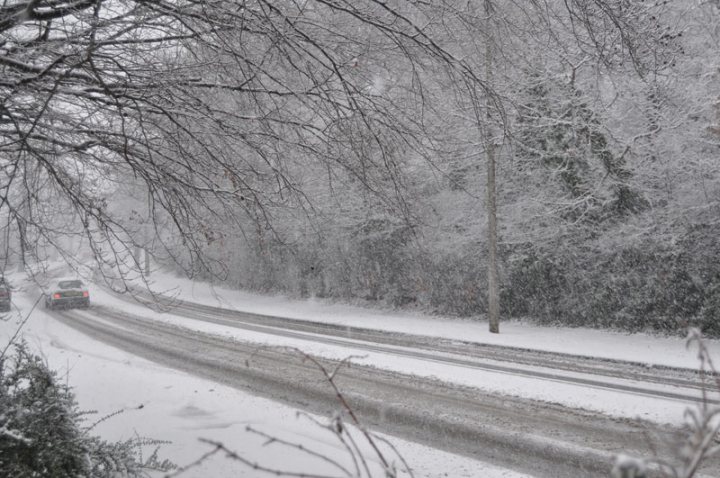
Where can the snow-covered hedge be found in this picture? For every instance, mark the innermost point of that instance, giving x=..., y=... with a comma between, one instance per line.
x=649, y=285
x=588, y=278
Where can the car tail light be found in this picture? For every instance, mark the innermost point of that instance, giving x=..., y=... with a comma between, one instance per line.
x=56, y=296
x=86, y=293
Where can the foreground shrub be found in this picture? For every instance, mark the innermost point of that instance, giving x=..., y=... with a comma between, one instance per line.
x=42, y=432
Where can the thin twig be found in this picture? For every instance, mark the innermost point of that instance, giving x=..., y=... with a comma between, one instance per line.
x=257, y=466
x=195, y=463
x=300, y=447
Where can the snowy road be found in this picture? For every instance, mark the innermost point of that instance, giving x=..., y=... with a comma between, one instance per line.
x=528, y=436
x=635, y=378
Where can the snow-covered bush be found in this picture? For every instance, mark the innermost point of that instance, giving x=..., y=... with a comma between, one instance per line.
x=648, y=284
x=42, y=431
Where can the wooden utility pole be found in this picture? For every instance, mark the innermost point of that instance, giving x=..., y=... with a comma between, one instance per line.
x=148, y=231
x=493, y=311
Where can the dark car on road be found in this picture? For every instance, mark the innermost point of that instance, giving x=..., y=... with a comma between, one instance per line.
x=67, y=293
x=5, y=296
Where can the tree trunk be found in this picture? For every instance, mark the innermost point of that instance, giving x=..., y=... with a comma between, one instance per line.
x=21, y=243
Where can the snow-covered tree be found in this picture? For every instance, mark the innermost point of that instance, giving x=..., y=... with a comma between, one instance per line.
x=212, y=106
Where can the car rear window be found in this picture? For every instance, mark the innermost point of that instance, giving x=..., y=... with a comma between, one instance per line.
x=70, y=284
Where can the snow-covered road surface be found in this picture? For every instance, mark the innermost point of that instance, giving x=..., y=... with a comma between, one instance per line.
x=612, y=387
x=524, y=435
x=166, y=404
x=534, y=408
x=674, y=383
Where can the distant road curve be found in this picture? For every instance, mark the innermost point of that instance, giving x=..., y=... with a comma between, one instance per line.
x=540, y=439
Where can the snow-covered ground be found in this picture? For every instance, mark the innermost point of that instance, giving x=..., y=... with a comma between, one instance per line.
x=639, y=347
x=164, y=404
